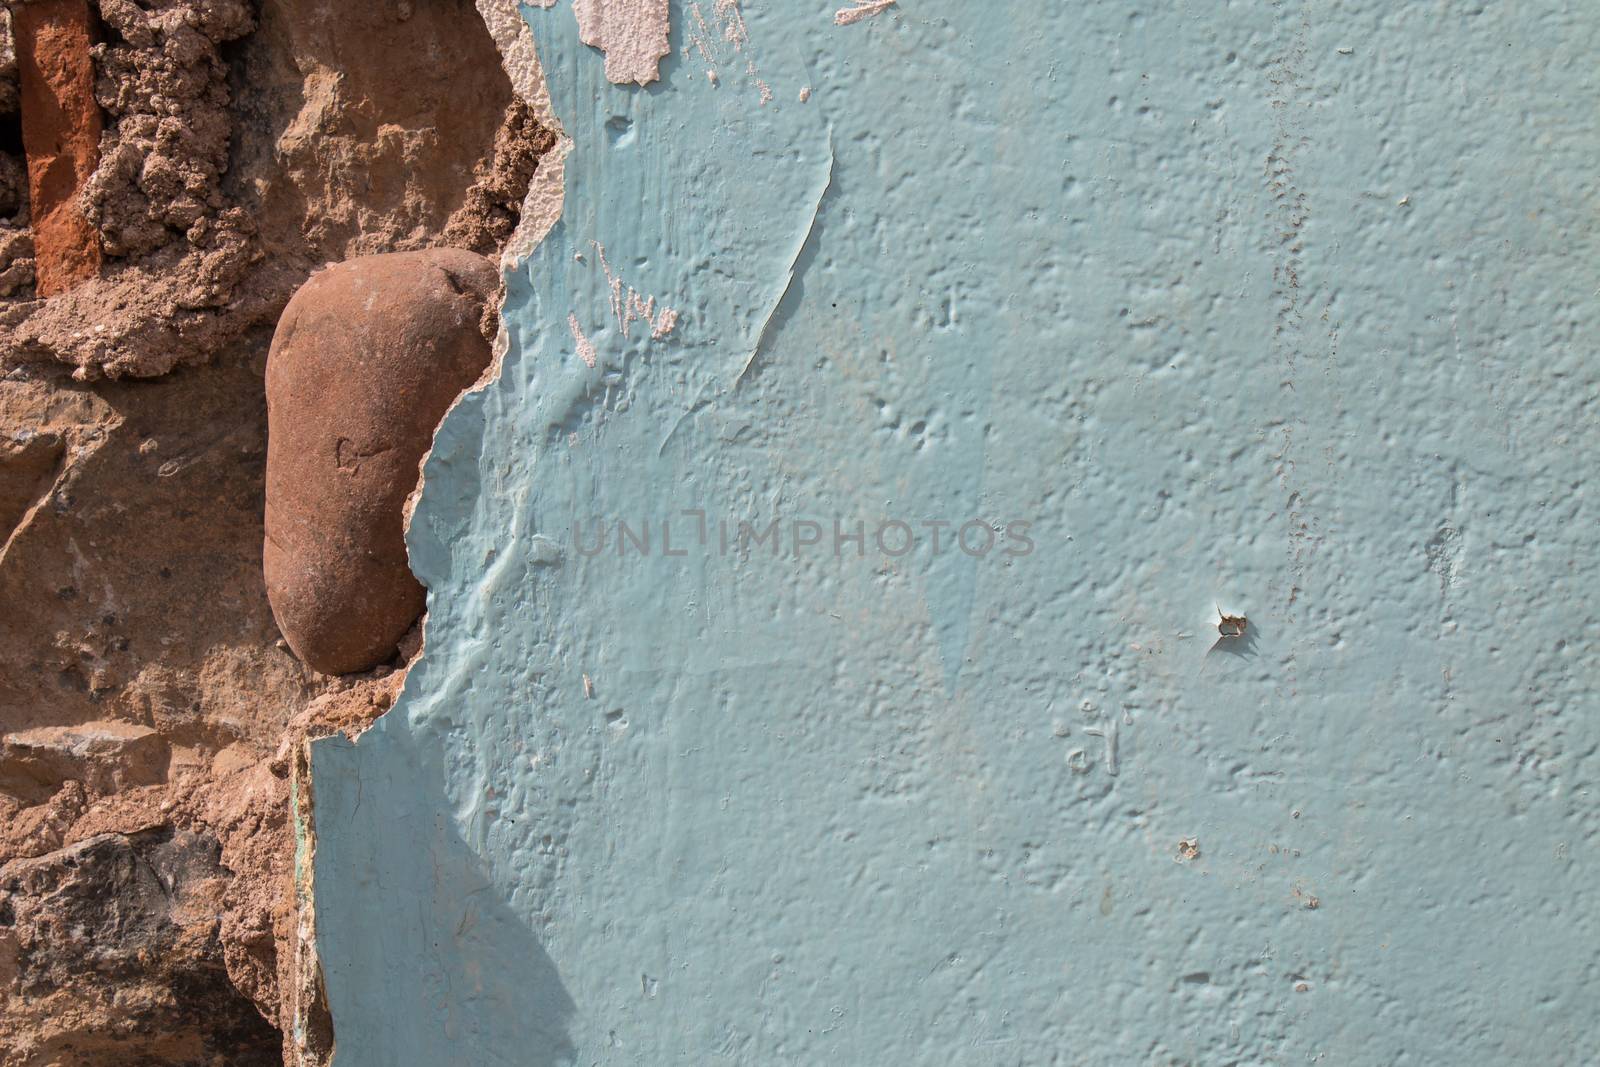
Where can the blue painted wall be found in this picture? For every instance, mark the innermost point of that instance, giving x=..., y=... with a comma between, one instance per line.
x=1285, y=308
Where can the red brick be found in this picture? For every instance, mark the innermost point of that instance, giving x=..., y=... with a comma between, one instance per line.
x=60, y=136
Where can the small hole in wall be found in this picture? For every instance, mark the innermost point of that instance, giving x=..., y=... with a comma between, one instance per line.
x=619, y=130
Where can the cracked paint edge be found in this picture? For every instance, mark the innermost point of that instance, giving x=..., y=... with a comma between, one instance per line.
x=863, y=9
x=794, y=264
x=312, y=1042
x=541, y=208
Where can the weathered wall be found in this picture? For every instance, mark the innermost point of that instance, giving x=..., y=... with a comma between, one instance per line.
x=1284, y=308
x=146, y=695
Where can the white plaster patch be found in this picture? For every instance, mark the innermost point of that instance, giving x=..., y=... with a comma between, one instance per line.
x=632, y=34
x=863, y=9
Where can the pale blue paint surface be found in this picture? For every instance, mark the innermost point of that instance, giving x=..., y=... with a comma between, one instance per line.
x=1232, y=316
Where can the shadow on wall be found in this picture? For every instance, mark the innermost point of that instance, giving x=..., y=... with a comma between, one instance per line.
x=445, y=971
x=1240, y=646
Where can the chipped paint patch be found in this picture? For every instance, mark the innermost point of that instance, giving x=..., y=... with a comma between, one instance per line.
x=628, y=305
x=542, y=205
x=711, y=35
x=581, y=340
x=864, y=9
x=632, y=33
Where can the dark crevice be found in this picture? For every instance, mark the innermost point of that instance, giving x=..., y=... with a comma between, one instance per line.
x=16, y=238
x=11, y=135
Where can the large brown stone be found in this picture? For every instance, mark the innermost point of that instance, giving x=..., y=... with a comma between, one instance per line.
x=60, y=136
x=367, y=358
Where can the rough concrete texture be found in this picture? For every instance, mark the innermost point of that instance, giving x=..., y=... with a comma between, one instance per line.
x=138, y=658
x=60, y=137
x=366, y=360
x=143, y=683
x=122, y=929
x=103, y=757
x=130, y=567
x=493, y=208
x=377, y=147
x=1279, y=309
x=180, y=248
x=330, y=131
x=164, y=87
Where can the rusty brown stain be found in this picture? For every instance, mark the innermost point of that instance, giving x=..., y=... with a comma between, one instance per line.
x=60, y=136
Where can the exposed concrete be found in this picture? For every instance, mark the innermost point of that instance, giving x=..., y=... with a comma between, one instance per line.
x=328, y=131
x=106, y=757
x=541, y=206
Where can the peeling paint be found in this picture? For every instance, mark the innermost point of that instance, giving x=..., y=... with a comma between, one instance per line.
x=712, y=37
x=628, y=305
x=794, y=264
x=863, y=9
x=542, y=205
x=581, y=340
x=632, y=33
x=311, y=1043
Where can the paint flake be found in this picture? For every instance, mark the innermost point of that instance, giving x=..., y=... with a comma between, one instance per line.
x=632, y=33
x=794, y=264
x=863, y=9
x=585, y=346
x=628, y=305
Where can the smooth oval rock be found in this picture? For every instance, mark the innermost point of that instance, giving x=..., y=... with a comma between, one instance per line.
x=367, y=358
